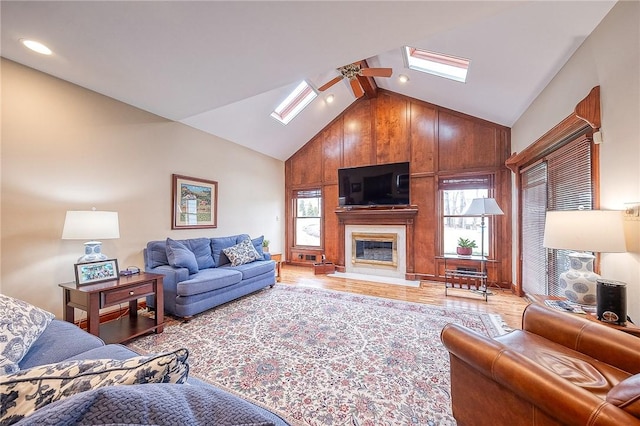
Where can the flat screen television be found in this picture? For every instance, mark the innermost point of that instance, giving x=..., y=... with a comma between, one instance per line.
x=381, y=184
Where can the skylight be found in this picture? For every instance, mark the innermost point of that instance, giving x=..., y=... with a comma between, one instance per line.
x=295, y=103
x=437, y=64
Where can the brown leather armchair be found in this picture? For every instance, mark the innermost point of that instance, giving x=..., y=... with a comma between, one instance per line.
x=560, y=369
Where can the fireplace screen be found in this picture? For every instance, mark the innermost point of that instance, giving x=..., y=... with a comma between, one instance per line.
x=374, y=248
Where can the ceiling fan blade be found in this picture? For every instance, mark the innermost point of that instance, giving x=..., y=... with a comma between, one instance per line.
x=376, y=72
x=357, y=89
x=330, y=83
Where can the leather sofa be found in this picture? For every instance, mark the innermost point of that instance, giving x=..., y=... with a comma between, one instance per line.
x=559, y=369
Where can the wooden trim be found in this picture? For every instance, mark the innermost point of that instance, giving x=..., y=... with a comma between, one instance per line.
x=586, y=114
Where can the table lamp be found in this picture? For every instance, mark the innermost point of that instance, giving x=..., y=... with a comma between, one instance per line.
x=91, y=225
x=584, y=231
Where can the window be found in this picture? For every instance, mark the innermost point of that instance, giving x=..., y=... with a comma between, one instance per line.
x=308, y=217
x=457, y=194
x=562, y=180
x=436, y=64
x=294, y=103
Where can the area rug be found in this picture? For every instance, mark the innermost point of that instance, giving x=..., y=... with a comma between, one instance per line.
x=319, y=357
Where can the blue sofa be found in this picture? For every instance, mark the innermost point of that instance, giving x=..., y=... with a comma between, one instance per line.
x=195, y=402
x=202, y=276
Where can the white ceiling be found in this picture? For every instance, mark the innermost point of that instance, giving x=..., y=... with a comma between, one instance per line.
x=223, y=66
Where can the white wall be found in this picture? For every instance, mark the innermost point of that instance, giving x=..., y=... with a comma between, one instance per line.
x=68, y=148
x=610, y=58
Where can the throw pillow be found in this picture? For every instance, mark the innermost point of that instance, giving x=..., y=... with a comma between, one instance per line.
x=20, y=326
x=201, y=248
x=241, y=253
x=180, y=256
x=626, y=395
x=257, y=244
x=28, y=390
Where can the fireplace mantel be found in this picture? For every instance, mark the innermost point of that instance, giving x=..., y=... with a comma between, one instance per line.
x=388, y=215
x=377, y=215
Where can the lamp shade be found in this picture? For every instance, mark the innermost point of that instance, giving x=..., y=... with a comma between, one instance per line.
x=585, y=230
x=90, y=225
x=483, y=207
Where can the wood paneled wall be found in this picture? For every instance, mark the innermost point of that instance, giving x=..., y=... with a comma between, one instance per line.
x=436, y=141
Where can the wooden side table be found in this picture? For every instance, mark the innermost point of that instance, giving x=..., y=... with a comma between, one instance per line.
x=277, y=257
x=630, y=328
x=93, y=297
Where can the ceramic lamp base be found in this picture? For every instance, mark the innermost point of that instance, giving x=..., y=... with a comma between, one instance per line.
x=92, y=252
x=578, y=284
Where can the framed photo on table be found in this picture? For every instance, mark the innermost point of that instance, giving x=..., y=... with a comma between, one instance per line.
x=95, y=272
x=194, y=203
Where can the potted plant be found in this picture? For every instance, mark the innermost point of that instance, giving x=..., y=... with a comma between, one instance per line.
x=265, y=246
x=465, y=246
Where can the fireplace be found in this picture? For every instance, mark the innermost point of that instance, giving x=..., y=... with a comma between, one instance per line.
x=377, y=221
x=374, y=248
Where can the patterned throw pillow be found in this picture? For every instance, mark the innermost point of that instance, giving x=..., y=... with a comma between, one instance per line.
x=28, y=390
x=242, y=253
x=20, y=325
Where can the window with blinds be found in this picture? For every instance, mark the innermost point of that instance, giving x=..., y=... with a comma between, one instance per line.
x=563, y=180
x=307, y=215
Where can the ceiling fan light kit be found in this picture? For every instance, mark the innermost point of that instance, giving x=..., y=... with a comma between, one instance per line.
x=351, y=72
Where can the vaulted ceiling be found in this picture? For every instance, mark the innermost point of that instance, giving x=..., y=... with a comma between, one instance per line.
x=223, y=66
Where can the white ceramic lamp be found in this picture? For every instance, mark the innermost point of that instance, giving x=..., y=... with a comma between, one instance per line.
x=91, y=225
x=584, y=231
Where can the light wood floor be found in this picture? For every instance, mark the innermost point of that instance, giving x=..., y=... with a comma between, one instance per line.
x=502, y=302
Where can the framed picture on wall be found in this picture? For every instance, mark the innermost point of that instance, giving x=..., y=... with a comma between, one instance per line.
x=95, y=272
x=194, y=203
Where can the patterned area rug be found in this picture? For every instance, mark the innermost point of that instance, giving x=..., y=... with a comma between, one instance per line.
x=319, y=357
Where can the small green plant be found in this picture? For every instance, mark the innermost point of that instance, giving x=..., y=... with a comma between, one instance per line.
x=265, y=243
x=465, y=242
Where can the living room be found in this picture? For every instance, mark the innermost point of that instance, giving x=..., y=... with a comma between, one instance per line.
x=65, y=147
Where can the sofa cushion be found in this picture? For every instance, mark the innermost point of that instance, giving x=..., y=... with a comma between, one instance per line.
x=20, y=325
x=28, y=390
x=242, y=253
x=156, y=404
x=156, y=254
x=208, y=280
x=626, y=395
x=47, y=349
x=220, y=243
x=180, y=256
x=253, y=269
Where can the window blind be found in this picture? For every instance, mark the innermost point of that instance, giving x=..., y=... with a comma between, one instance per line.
x=534, y=206
x=560, y=181
x=307, y=193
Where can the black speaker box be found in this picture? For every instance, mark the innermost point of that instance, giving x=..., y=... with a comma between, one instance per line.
x=611, y=300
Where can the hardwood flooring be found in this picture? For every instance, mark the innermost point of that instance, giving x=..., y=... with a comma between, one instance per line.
x=502, y=302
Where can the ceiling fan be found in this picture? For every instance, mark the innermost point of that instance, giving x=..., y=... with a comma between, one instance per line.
x=352, y=72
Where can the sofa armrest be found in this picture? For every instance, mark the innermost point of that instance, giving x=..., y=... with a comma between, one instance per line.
x=591, y=338
x=531, y=382
x=266, y=255
x=172, y=276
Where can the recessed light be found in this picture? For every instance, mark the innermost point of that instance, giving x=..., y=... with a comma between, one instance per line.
x=329, y=98
x=36, y=46
x=403, y=78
